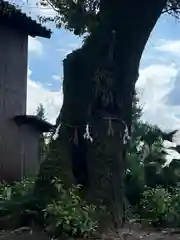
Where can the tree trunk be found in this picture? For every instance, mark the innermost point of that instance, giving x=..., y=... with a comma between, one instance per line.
x=57, y=164
x=132, y=23
x=106, y=168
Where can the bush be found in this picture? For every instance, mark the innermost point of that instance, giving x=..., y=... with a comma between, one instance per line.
x=156, y=206
x=17, y=204
x=176, y=205
x=65, y=215
x=69, y=215
x=18, y=189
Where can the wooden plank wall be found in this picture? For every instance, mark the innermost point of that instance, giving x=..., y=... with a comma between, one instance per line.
x=13, y=88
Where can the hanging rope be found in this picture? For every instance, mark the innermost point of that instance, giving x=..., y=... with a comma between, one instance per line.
x=110, y=131
x=126, y=136
x=75, y=127
x=75, y=139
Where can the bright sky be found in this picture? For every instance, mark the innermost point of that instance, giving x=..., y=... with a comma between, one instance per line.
x=158, y=84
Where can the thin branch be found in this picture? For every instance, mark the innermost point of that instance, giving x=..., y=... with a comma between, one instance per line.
x=173, y=8
x=52, y=5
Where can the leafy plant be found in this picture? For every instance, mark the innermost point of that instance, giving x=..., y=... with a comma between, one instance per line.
x=18, y=189
x=175, y=208
x=69, y=215
x=18, y=206
x=156, y=205
x=5, y=191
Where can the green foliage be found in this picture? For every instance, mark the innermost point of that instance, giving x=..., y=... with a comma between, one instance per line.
x=66, y=215
x=18, y=189
x=145, y=158
x=44, y=137
x=146, y=132
x=146, y=173
x=82, y=16
x=156, y=205
x=175, y=208
x=17, y=204
x=78, y=16
x=69, y=215
x=40, y=112
x=161, y=206
x=136, y=109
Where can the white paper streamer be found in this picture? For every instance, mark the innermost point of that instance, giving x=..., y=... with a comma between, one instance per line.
x=56, y=134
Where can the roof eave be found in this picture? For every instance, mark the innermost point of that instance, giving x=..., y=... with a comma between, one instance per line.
x=46, y=34
x=20, y=20
x=34, y=121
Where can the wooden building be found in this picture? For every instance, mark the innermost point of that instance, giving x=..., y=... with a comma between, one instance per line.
x=19, y=133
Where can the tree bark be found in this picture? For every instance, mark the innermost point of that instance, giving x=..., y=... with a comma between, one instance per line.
x=106, y=169
x=57, y=164
x=132, y=22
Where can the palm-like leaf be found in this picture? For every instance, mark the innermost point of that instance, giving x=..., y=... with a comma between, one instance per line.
x=169, y=136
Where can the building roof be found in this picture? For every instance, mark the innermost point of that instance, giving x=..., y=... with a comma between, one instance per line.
x=14, y=17
x=34, y=121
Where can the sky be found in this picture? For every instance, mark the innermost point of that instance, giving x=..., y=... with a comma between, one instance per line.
x=158, y=85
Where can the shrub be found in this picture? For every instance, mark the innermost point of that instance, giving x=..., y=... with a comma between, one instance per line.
x=175, y=209
x=23, y=188
x=69, y=215
x=65, y=215
x=17, y=204
x=18, y=189
x=156, y=206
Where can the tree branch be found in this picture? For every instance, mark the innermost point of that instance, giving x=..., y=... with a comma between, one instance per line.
x=172, y=8
x=50, y=3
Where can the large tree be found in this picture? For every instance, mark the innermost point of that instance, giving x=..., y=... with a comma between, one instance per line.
x=106, y=68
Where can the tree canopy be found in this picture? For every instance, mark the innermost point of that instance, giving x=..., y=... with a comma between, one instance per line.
x=40, y=112
x=82, y=16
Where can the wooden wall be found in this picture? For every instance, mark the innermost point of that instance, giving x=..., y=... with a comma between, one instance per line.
x=29, y=150
x=13, y=91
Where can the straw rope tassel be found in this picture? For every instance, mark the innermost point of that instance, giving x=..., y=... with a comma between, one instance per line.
x=56, y=134
x=75, y=139
x=126, y=137
x=110, y=128
x=87, y=134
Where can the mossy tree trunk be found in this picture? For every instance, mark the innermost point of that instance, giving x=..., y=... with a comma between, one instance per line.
x=131, y=23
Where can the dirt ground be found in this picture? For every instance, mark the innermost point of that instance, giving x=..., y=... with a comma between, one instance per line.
x=123, y=234
x=144, y=234
x=23, y=234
